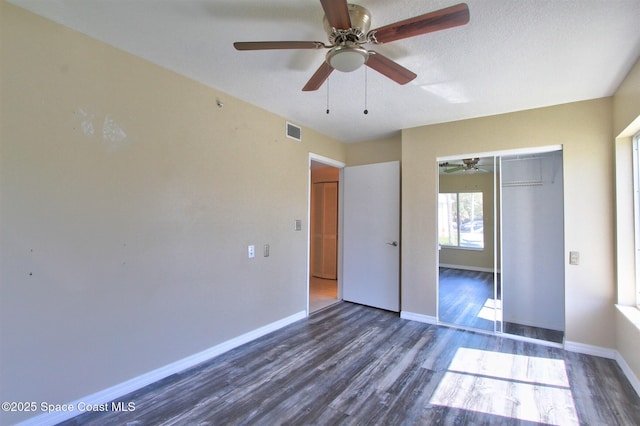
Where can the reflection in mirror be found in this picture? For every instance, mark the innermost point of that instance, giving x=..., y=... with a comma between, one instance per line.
x=466, y=293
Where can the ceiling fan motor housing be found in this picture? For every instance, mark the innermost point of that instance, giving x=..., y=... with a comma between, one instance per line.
x=357, y=34
x=347, y=55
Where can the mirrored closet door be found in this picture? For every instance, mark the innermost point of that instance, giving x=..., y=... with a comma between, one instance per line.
x=501, y=236
x=532, y=245
x=468, y=294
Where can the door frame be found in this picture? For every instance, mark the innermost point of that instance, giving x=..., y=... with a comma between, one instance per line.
x=316, y=158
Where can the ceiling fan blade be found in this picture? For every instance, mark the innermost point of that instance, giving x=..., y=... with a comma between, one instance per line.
x=454, y=169
x=389, y=68
x=337, y=12
x=434, y=21
x=318, y=78
x=268, y=45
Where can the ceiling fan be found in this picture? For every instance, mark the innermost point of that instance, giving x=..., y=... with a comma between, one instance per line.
x=468, y=165
x=347, y=26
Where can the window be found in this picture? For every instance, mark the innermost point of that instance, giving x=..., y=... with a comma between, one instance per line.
x=636, y=207
x=460, y=220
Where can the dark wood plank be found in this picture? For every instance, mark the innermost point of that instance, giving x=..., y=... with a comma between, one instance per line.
x=556, y=336
x=350, y=364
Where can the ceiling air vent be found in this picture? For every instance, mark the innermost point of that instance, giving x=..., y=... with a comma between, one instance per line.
x=294, y=132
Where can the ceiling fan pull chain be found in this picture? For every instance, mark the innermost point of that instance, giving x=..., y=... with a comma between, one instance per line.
x=366, y=111
x=328, y=79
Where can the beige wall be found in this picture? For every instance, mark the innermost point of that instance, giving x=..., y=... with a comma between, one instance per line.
x=584, y=130
x=626, y=104
x=626, y=117
x=128, y=201
x=628, y=339
x=377, y=151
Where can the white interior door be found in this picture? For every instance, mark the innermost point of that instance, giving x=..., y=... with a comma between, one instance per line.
x=371, y=255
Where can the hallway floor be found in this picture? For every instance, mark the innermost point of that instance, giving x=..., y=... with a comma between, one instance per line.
x=322, y=293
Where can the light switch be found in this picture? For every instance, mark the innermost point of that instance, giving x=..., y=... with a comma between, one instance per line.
x=298, y=225
x=251, y=251
x=574, y=258
x=266, y=250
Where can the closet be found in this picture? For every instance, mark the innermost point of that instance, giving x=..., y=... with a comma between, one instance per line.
x=509, y=275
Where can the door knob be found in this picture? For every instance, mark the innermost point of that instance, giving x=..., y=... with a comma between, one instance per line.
x=393, y=243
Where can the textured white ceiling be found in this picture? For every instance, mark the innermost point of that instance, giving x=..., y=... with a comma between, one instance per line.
x=513, y=55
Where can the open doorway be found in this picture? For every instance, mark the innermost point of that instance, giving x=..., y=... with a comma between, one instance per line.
x=323, y=235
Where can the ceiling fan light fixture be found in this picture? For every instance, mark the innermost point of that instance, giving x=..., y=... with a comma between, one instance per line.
x=347, y=58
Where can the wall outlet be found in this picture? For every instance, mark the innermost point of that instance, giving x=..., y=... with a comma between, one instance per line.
x=574, y=258
x=251, y=251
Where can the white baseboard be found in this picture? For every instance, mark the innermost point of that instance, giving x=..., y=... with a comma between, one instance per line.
x=606, y=353
x=633, y=379
x=582, y=348
x=119, y=390
x=418, y=317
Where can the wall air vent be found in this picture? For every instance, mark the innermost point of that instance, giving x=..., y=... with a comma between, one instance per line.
x=294, y=132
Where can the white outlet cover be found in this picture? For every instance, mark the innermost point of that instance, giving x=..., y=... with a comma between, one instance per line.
x=574, y=258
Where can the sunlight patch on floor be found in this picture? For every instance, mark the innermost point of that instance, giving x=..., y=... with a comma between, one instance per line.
x=491, y=310
x=517, y=386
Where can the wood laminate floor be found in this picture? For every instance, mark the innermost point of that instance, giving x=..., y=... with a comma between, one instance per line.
x=466, y=299
x=351, y=364
x=463, y=297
